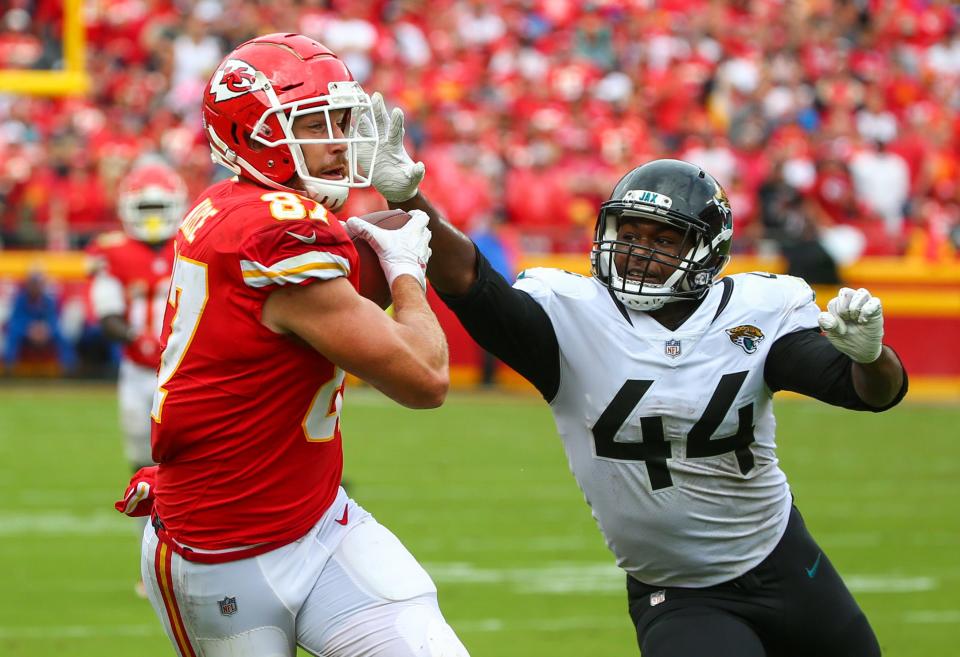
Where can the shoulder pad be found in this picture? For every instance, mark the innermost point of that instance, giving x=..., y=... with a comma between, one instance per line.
x=559, y=282
x=94, y=263
x=295, y=252
x=110, y=239
x=786, y=291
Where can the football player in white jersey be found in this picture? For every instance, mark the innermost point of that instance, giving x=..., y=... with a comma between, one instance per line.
x=660, y=376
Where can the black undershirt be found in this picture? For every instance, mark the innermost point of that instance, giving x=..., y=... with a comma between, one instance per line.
x=510, y=325
x=513, y=327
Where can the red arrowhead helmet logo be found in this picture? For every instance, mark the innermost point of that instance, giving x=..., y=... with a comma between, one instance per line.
x=234, y=78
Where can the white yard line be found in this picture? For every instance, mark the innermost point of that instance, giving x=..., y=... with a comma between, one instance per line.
x=60, y=498
x=858, y=539
x=484, y=545
x=46, y=632
x=78, y=631
x=578, y=577
x=543, y=624
x=552, y=578
x=889, y=584
x=64, y=523
x=946, y=616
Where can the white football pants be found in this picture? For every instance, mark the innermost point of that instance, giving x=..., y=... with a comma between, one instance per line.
x=342, y=590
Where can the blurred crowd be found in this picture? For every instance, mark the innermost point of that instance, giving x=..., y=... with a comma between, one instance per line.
x=828, y=121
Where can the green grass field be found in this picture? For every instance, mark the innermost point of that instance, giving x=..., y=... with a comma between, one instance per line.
x=480, y=492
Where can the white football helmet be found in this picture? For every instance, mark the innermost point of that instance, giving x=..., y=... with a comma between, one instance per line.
x=151, y=201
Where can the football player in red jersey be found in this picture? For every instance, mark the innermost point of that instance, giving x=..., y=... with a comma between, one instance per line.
x=130, y=279
x=253, y=545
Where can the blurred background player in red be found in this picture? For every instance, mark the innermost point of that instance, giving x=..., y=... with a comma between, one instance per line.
x=253, y=545
x=128, y=290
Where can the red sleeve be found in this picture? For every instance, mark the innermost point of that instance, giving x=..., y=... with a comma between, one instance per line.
x=138, y=499
x=296, y=252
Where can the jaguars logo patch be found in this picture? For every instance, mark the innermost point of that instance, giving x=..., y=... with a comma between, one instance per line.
x=746, y=336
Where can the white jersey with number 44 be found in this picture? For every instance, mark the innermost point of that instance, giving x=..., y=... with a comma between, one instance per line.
x=670, y=434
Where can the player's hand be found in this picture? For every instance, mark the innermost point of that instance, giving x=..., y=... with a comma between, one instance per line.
x=141, y=491
x=395, y=175
x=145, y=350
x=854, y=324
x=404, y=250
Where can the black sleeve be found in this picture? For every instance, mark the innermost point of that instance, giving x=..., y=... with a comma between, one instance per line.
x=510, y=325
x=806, y=362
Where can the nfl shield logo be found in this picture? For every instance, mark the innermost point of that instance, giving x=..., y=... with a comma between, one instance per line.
x=671, y=348
x=228, y=606
x=657, y=597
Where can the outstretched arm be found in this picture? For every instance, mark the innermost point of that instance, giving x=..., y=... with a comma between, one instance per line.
x=853, y=323
x=453, y=267
x=847, y=365
x=878, y=383
x=806, y=362
x=505, y=321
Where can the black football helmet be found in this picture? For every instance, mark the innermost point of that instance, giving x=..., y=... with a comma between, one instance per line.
x=680, y=195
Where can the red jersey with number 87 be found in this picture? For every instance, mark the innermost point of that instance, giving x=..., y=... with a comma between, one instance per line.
x=246, y=424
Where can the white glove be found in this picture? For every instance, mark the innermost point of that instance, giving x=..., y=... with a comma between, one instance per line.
x=395, y=175
x=404, y=250
x=854, y=324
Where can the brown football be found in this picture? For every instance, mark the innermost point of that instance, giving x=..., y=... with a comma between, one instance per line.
x=373, y=284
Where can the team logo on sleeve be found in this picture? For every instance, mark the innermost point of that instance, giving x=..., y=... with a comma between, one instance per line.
x=235, y=78
x=672, y=348
x=228, y=606
x=746, y=336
